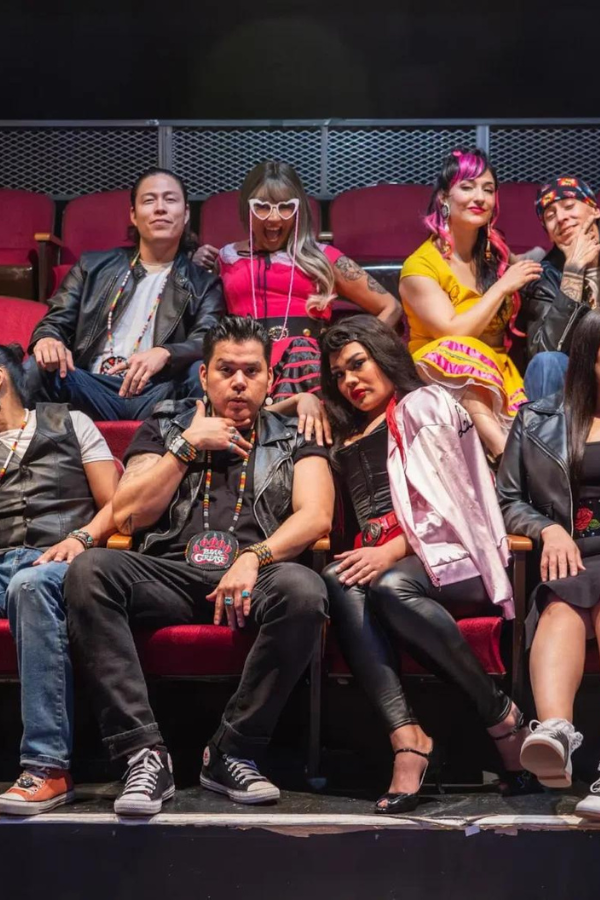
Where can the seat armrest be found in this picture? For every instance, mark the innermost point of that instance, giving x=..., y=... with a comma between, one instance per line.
x=519, y=543
x=48, y=252
x=322, y=545
x=120, y=542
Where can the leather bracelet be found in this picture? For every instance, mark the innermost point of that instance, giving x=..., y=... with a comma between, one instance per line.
x=182, y=450
x=262, y=551
x=84, y=537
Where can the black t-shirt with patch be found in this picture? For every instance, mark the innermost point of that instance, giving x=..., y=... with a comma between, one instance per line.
x=224, y=490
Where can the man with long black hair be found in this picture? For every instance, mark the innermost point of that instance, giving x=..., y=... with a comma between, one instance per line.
x=125, y=328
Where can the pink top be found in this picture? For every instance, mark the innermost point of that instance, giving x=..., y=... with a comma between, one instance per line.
x=271, y=287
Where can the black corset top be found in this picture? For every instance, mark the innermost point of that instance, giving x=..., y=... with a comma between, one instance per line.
x=363, y=466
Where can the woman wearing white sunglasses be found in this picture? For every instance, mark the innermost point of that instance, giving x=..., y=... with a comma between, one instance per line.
x=284, y=277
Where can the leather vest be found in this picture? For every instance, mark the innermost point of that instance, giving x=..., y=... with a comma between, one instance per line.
x=46, y=494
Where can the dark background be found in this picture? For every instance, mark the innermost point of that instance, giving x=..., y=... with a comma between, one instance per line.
x=298, y=59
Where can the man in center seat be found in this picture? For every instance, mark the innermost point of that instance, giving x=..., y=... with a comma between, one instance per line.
x=221, y=499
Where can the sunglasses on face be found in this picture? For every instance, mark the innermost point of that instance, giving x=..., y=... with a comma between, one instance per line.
x=285, y=209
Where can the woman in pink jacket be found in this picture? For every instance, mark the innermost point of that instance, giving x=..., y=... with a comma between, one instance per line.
x=411, y=569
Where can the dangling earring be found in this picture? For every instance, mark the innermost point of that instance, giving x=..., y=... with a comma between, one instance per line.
x=488, y=243
x=205, y=399
x=445, y=210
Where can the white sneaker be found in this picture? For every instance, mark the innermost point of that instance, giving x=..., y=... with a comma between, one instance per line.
x=547, y=751
x=590, y=806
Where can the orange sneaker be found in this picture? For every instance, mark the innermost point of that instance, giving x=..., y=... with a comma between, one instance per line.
x=36, y=791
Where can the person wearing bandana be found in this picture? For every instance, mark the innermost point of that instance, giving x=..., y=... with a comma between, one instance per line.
x=221, y=498
x=124, y=331
x=569, y=286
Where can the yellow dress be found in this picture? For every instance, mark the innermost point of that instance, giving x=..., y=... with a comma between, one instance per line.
x=458, y=362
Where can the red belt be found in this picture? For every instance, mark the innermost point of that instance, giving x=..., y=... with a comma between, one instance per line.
x=379, y=531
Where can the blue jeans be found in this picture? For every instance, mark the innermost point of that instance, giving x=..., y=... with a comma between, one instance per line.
x=31, y=598
x=545, y=374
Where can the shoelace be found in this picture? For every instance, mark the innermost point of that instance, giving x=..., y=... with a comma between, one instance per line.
x=243, y=770
x=31, y=780
x=142, y=775
x=575, y=738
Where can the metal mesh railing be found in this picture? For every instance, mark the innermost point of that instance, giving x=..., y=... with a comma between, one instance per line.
x=528, y=154
x=66, y=159
x=67, y=162
x=217, y=159
x=357, y=157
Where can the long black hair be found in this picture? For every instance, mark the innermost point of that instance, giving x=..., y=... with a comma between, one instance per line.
x=581, y=392
x=385, y=348
x=188, y=242
x=11, y=359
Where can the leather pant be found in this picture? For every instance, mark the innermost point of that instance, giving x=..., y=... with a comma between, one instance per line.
x=399, y=609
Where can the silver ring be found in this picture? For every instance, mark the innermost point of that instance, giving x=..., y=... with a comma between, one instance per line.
x=228, y=601
x=231, y=446
x=235, y=437
x=232, y=430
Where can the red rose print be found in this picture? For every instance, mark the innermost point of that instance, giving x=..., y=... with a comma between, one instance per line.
x=583, y=518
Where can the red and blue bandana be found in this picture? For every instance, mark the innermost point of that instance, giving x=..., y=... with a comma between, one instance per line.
x=567, y=186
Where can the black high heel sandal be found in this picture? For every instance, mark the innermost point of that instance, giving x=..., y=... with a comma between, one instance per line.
x=400, y=802
x=521, y=782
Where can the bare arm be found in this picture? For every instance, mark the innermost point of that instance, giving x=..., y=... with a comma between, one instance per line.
x=146, y=489
x=434, y=308
x=360, y=287
x=103, y=479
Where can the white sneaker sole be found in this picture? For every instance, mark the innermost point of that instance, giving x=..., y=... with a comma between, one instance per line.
x=9, y=807
x=130, y=807
x=263, y=795
x=589, y=807
x=546, y=759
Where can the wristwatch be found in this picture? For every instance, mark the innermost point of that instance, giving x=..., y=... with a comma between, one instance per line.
x=84, y=537
x=182, y=449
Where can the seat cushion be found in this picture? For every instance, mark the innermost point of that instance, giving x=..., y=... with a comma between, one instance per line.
x=188, y=651
x=19, y=318
x=482, y=634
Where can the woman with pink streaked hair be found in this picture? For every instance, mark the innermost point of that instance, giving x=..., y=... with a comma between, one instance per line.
x=459, y=292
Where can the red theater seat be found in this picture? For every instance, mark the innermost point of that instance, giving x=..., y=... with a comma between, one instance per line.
x=19, y=318
x=220, y=220
x=194, y=651
x=482, y=635
x=383, y=223
x=118, y=435
x=22, y=214
x=93, y=222
x=518, y=220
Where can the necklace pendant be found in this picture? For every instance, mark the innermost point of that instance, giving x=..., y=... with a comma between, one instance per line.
x=110, y=361
x=278, y=332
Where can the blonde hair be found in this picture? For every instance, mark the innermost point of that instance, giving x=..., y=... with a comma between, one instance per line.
x=280, y=178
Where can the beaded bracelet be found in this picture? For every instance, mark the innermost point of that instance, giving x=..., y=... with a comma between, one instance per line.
x=262, y=552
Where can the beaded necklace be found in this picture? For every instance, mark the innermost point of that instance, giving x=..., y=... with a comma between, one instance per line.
x=112, y=360
x=242, y=487
x=14, y=445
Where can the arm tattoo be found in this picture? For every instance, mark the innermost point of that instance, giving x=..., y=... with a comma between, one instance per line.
x=350, y=270
x=374, y=285
x=137, y=465
x=572, y=285
x=128, y=526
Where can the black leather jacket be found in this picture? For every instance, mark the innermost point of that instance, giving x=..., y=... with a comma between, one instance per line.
x=548, y=314
x=192, y=302
x=276, y=441
x=533, y=483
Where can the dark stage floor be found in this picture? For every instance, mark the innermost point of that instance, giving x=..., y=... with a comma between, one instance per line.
x=311, y=813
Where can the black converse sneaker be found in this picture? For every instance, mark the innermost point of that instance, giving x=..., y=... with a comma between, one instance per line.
x=148, y=781
x=238, y=778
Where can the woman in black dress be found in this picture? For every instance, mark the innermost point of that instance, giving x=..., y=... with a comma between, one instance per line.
x=380, y=593
x=549, y=490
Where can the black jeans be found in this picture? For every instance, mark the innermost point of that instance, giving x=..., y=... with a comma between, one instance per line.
x=399, y=608
x=108, y=591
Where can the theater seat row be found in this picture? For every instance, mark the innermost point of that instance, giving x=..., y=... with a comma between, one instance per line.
x=374, y=225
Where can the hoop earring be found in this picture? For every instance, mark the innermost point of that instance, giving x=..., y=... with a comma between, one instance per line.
x=445, y=210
